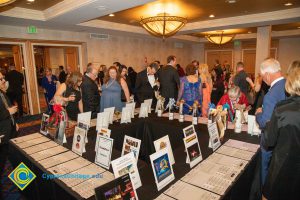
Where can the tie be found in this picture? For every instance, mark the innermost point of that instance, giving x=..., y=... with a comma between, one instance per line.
x=6, y=106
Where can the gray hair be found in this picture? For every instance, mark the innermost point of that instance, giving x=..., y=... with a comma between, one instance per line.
x=234, y=92
x=270, y=65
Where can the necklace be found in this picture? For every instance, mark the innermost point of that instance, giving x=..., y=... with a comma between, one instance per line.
x=108, y=85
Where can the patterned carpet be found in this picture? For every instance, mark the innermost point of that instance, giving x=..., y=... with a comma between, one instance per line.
x=28, y=125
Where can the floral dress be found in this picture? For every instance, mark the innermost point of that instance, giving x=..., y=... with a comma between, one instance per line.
x=189, y=92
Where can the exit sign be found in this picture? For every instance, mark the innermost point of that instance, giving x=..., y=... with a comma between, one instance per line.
x=31, y=29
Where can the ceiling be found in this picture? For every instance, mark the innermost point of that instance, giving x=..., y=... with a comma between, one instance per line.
x=92, y=15
x=197, y=10
x=36, y=5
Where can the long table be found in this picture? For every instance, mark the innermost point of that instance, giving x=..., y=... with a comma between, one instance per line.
x=148, y=130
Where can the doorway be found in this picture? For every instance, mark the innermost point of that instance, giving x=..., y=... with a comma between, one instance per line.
x=12, y=66
x=51, y=56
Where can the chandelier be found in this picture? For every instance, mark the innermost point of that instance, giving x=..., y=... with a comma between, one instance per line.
x=163, y=25
x=6, y=2
x=219, y=38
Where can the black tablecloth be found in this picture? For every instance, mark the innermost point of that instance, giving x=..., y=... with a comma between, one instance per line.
x=148, y=130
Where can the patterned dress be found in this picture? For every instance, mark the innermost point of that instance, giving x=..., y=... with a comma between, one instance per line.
x=190, y=92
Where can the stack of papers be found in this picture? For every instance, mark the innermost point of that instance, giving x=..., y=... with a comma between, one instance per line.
x=182, y=191
x=88, y=170
x=242, y=145
x=163, y=197
x=86, y=189
x=26, y=138
x=32, y=142
x=48, y=153
x=70, y=166
x=237, y=153
x=58, y=159
x=40, y=147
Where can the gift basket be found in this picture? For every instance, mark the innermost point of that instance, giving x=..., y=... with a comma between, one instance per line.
x=59, y=116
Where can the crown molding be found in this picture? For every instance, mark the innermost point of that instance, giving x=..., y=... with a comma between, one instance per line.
x=64, y=7
x=268, y=18
x=24, y=13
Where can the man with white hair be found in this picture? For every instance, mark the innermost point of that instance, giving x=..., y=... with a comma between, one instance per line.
x=271, y=73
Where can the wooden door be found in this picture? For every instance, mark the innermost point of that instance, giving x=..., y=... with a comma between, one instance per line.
x=71, y=58
x=249, y=57
x=17, y=57
x=211, y=57
x=222, y=56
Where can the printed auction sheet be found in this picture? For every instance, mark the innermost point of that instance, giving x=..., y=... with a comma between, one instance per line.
x=58, y=159
x=237, y=153
x=242, y=145
x=40, y=147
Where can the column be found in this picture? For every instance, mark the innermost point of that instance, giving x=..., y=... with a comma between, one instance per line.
x=263, y=45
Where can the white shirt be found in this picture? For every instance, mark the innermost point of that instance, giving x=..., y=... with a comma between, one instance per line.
x=151, y=79
x=276, y=80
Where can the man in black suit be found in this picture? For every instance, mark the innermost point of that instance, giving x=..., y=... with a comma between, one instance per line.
x=169, y=79
x=90, y=92
x=146, y=83
x=8, y=127
x=15, y=88
x=62, y=74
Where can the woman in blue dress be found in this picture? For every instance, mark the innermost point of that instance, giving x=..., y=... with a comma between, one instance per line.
x=190, y=89
x=49, y=84
x=112, y=87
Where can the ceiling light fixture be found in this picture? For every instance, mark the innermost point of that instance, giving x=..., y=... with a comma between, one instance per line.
x=288, y=4
x=211, y=16
x=219, y=38
x=249, y=32
x=163, y=25
x=6, y=2
x=30, y=0
x=111, y=15
x=230, y=1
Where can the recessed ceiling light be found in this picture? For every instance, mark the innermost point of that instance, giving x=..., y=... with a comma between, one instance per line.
x=249, y=32
x=30, y=0
x=288, y=4
x=230, y=1
x=298, y=27
x=111, y=15
x=211, y=16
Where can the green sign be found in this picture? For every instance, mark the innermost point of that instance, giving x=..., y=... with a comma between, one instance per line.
x=31, y=29
x=237, y=43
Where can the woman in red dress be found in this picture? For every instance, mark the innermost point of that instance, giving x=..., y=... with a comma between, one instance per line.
x=234, y=98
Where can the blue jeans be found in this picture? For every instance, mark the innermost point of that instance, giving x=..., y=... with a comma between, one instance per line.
x=265, y=162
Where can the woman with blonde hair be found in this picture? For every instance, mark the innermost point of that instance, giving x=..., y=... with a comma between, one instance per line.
x=282, y=135
x=70, y=93
x=206, y=87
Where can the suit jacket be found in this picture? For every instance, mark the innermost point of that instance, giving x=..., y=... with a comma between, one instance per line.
x=169, y=82
x=90, y=96
x=274, y=95
x=15, y=80
x=282, y=136
x=6, y=126
x=143, y=87
x=62, y=76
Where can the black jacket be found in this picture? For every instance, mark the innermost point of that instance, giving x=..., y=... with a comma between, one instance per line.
x=169, y=82
x=15, y=80
x=6, y=126
x=90, y=96
x=282, y=135
x=143, y=87
x=62, y=76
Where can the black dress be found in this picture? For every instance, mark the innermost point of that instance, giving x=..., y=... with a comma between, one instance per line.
x=72, y=107
x=283, y=137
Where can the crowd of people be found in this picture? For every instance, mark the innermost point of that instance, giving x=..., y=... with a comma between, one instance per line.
x=274, y=99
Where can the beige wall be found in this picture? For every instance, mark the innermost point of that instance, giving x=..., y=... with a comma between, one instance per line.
x=129, y=50
x=289, y=50
x=56, y=58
